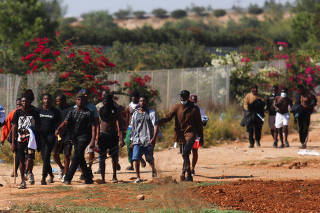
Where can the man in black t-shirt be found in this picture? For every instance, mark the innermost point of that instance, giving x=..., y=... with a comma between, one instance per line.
x=50, y=119
x=63, y=145
x=24, y=120
x=81, y=125
x=272, y=112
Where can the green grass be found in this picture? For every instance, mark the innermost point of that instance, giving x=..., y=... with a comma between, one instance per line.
x=211, y=183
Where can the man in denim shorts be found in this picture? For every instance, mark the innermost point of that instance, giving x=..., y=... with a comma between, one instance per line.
x=144, y=129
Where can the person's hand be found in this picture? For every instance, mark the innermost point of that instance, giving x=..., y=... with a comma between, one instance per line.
x=91, y=145
x=57, y=132
x=131, y=145
x=153, y=141
x=122, y=143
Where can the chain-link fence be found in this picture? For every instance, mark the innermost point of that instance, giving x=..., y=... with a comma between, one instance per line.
x=209, y=83
x=9, y=86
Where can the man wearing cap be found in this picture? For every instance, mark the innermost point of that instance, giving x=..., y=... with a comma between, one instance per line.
x=188, y=128
x=82, y=128
x=271, y=110
x=282, y=105
x=93, y=109
x=253, y=105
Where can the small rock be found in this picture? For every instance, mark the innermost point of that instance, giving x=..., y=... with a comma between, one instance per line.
x=140, y=197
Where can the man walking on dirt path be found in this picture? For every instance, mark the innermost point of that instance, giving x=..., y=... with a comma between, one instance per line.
x=144, y=130
x=253, y=105
x=133, y=106
x=282, y=105
x=188, y=128
x=204, y=119
x=25, y=123
x=305, y=103
x=81, y=126
x=271, y=111
x=63, y=143
x=50, y=119
x=110, y=132
x=6, y=133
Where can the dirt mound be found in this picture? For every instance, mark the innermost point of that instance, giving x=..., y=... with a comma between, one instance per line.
x=164, y=180
x=265, y=196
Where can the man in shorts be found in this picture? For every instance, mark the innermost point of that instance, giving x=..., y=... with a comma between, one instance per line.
x=80, y=124
x=110, y=132
x=144, y=130
x=282, y=106
x=188, y=128
x=24, y=120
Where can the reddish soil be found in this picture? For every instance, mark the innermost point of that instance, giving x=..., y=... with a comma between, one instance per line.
x=265, y=196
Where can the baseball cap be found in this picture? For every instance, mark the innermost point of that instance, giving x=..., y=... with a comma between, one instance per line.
x=184, y=93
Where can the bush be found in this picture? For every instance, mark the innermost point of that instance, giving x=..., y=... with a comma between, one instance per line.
x=122, y=14
x=219, y=13
x=159, y=13
x=177, y=14
x=139, y=14
x=255, y=9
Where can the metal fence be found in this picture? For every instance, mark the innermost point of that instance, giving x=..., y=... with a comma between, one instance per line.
x=9, y=86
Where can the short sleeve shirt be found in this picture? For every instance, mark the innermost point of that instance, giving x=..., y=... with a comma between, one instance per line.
x=80, y=122
x=50, y=119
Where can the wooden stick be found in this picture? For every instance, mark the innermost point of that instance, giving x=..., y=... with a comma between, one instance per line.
x=14, y=167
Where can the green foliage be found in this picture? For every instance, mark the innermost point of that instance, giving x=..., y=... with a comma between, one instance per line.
x=54, y=9
x=139, y=14
x=159, y=13
x=122, y=14
x=152, y=56
x=310, y=6
x=301, y=25
x=255, y=9
x=219, y=13
x=199, y=11
x=177, y=14
x=98, y=20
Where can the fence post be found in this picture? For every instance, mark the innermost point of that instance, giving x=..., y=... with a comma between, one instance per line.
x=213, y=69
x=168, y=89
x=227, y=85
x=182, y=79
x=197, y=89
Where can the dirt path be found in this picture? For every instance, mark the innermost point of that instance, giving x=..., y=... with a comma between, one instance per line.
x=228, y=162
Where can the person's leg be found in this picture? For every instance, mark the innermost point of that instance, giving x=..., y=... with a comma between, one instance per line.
x=56, y=154
x=20, y=152
x=250, y=130
x=30, y=162
x=280, y=132
x=102, y=153
x=194, y=159
x=44, y=165
x=148, y=152
x=83, y=143
x=136, y=157
x=303, y=122
x=114, y=152
x=257, y=131
x=129, y=150
x=186, y=159
x=286, y=133
x=67, y=150
x=272, y=125
x=275, y=143
x=306, y=125
x=74, y=162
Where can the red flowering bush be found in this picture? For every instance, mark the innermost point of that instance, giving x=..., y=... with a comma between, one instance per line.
x=142, y=85
x=76, y=67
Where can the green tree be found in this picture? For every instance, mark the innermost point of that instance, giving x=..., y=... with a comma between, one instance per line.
x=54, y=9
x=122, y=14
x=98, y=20
x=255, y=9
x=311, y=6
x=300, y=27
x=199, y=11
x=178, y=14
x=219, y=13
x=21, y=21
x=140, y=14
x=159, y=13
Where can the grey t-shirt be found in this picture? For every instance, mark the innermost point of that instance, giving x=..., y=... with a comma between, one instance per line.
x=142, y=127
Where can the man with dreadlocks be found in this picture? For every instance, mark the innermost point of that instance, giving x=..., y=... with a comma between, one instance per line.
x=110, y=133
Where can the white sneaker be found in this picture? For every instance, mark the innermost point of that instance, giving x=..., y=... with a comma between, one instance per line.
x=138, y=180
x=31, y=178
x=62, y=179
x=60, y=174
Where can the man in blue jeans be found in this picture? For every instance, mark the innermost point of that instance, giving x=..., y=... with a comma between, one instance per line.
x=144, y=129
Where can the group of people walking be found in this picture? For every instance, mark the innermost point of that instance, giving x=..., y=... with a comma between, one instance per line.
x=278, y=106
x=105, y=128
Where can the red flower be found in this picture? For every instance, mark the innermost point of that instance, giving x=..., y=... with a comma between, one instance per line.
x=46, y=51
x=88, y=76
x=27, y=44
x=46, y=60
x=110, y=64
x=28, y=57
x=65, y=75
x=68, y=94
x=116, y=82
x=288, y=65
x=22, y=58
x=147, y=78
x=34, y=68
x=48, y=66
x=56, y=53
x=105, y=87
x=87, y=59
x=308, y=70
x=137, y=79
x=71, y=55
x=29, y=72
x=1, y=70
x=128, y=84
x=57, y=33
x=259, y=48
x=69, y=43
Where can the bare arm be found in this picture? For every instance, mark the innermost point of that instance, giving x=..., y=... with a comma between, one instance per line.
x=169, y=116
x=155, y=133
x=93, y=135
x=61, y=127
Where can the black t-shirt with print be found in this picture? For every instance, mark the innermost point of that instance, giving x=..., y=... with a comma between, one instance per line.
x=50, y=119
x=25, y=120
x=80, y=122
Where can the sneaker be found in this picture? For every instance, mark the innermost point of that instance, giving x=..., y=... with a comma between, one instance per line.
x=118, y=167
x=287, y=144
x=31, y=178
x=67, y=182
x=182, y=178
x=97, y=172
x=114, y=180
x=138, y=180
x=51, y=179
x=60, y=173
x=43, y=181
x=154, y=174
x=282, y=145
x=251, y=146
x=303, y=146
x=189, y=178
x=63, y=177
x=258, y=144
x=130, y=168
x=192, y=172
x=275, y=144
x=90, y=181
x=22, y=185
x=143, y=163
